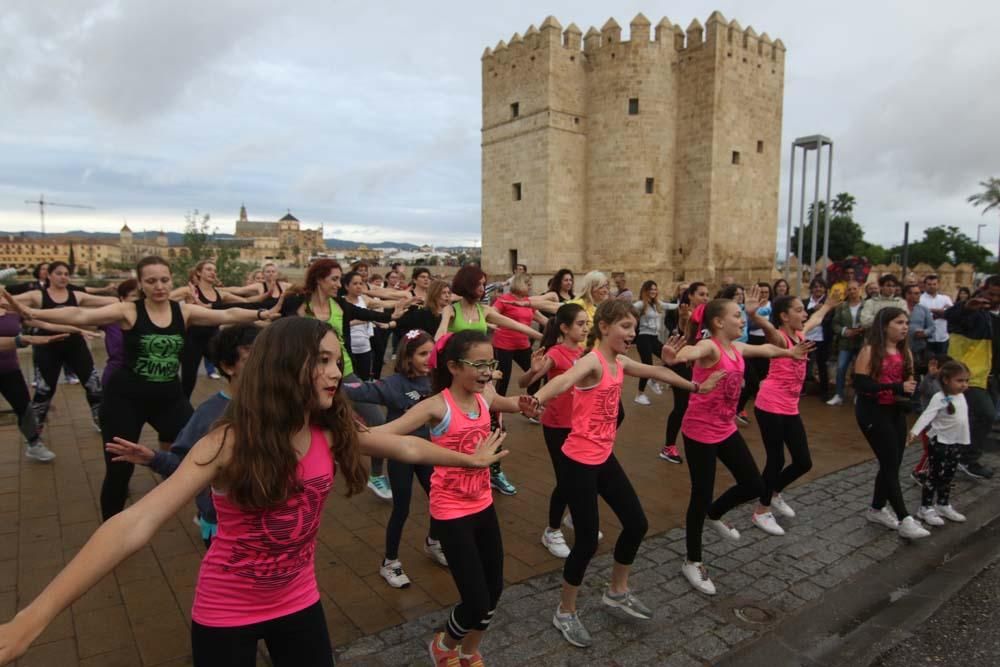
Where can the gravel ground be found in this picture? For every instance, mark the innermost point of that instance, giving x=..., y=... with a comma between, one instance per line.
x=962, y=632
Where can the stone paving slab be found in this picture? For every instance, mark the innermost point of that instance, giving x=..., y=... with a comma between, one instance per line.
x=774, y=576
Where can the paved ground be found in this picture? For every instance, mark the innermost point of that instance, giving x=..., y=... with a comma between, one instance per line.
x=139, y=615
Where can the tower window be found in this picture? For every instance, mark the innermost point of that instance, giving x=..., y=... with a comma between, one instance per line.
x=736, y=157
x=633, y=106
x=515, y=110
x=760, y=146
x=516, y=191
x=650, y=185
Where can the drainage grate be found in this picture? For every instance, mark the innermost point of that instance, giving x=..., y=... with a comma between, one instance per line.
x=754, y=615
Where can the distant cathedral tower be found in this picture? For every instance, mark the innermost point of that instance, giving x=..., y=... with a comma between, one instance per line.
x=658, y=156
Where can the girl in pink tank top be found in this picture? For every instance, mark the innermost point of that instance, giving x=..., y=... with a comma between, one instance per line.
x=271, y=464
x=777, y=407
x=588, y=468
x=461, y=502
x=709, y=427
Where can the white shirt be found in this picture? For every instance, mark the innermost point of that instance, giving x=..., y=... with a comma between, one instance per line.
x=816, y=333
x=361, y=333
x=938, y=302
x=948, y=429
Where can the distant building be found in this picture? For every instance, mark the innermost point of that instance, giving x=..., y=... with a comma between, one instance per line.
x=132, y=249
x=283, y=242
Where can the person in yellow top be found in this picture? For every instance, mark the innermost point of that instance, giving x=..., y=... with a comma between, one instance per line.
x=594, y=289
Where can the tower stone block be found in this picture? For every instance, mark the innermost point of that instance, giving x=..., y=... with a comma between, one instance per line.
x=657, y=157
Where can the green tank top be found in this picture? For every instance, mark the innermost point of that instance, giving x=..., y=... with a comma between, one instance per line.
x=458, y=322
x=336, y=321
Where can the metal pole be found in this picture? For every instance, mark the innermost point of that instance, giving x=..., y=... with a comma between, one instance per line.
x=906, y=248
x=802, y=217
x=826, y=216
x=815, y=215
x=788, y=228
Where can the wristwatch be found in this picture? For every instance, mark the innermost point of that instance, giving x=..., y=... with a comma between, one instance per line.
x=19, y=342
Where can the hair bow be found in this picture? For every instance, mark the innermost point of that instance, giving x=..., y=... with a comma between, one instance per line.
x=438, y=349
x=698, y=314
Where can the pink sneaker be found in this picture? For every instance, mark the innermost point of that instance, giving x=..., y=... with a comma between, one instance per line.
x=669, y=453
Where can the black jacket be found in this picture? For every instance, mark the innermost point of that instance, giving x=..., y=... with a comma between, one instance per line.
x=351, y=312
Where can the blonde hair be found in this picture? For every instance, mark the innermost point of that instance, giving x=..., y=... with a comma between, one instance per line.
x=520, y=283
x=588, y=284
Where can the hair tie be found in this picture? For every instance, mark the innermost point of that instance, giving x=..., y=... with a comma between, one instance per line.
x=698, y=314
x=412, y=333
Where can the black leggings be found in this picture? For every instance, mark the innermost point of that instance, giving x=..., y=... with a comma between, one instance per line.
x=74, y=354
x=129, y=404
x=300, y=639
x=942, y=461
x=380, y=341
x=507, y=359
x=884, y=427
x=681, y=398
x=777, y=432
x=701, y=457
x=362, y=362
x=755, y=372
x=474, y=549
x=581, y=484
x=15, y=391
x=401, y=481
x=195, y=348
x=554, y=439
x=648, y=346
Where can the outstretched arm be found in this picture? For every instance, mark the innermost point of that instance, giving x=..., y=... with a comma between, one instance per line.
x=768, y=351
x=420, y=414
x=207, y=317
x=588, y=366
x=411, y=449
x=74, y=315
x=493, y=317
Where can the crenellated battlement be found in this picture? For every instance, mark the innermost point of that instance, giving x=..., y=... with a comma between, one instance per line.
x=717, y=33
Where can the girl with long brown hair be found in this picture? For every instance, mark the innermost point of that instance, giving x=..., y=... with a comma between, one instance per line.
x=271, y=458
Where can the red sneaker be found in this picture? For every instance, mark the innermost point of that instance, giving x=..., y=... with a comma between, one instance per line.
x=442, y=657
x=669, y=453
x=474, y=660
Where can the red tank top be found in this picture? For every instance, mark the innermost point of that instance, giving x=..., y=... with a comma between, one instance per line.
x=261, y=562
x=458, y=492
x=779, y=392
x=710, y=417
x=559, y=411
x=891, y=372
x=595, y=417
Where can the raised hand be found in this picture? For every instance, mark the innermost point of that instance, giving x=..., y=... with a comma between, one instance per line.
x=537, y=361
x=752, y=300
x=129, y=452
x=709, y=384
x=802, y=350
x=670, y=349
x=529, y=405
x=488, y=450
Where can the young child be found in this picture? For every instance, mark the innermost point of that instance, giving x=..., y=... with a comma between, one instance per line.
x=928, y=386
x=398, y=393
x=946, y=419
x=228, y=350
x=588, y=468
x=461, y=500
x=561, y=346
x=285, y=433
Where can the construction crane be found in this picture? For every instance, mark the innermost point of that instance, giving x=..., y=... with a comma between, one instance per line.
x=42, y=204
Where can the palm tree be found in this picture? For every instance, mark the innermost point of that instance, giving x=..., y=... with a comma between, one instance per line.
x=843, y=204
x=989, y=198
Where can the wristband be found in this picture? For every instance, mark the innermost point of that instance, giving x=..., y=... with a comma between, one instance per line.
x=19, y=342
x=696, y=386
x=260, y=311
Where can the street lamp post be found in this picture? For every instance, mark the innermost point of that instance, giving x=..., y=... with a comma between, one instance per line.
x=816, y=143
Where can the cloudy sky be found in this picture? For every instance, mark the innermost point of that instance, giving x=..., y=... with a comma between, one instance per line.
x=366, y=116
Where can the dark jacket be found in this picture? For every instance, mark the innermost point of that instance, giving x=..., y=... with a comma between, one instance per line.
x=351, y=312
x=970, y=341
x=397, y=393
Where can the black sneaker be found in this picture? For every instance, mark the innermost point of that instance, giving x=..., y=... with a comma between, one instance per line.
x=976, y=470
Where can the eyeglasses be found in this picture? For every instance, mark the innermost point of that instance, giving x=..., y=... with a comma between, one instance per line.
x=481, y=366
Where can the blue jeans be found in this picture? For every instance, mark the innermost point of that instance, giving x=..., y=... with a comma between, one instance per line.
x=844, y=359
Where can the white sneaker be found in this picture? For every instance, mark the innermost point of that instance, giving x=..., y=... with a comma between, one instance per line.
x=555, y=542
x=724, y=529
x=642, y=399
x=930, y=516
x=215, y=375
x=655, y=386
x=911, y=529
x=767, y=523
x=697, y=576
x=393, y=574
x=836, y=400
x=949, y=512
x=568, y=522
x=780, y=507
x=883, y=516
x=379, y=485
x=434, y=551
x=39, y=452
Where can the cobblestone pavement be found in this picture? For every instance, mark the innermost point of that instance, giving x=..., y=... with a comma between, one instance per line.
x=759, y=578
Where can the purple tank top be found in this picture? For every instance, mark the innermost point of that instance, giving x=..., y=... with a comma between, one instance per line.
x=710, y=417
x=10, y=326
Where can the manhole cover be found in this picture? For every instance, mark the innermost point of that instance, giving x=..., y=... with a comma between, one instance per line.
x=751, y=614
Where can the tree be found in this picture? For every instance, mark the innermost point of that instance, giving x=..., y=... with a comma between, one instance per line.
x=945, y=244
x=72, y=259
x=843, y=204
x=989, y=198
x=200, y=246
x=845, y=235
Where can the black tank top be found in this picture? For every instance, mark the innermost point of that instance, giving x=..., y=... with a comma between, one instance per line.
x=216, y=305
x=269, y=301
x=48, y=304
x=153, y=353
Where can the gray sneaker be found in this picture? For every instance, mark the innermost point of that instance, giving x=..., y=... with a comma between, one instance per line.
x=39, y=452
x=571, y=628
x=628, y=603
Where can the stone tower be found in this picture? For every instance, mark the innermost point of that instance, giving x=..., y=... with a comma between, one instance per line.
x=658, y=156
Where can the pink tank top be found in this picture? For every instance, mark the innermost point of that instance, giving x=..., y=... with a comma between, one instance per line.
x=891, y=372
x=261, y=562
x=558, y=412
x=595, y=417
x=779, y=392
x=458, y=492
x=710, y=417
